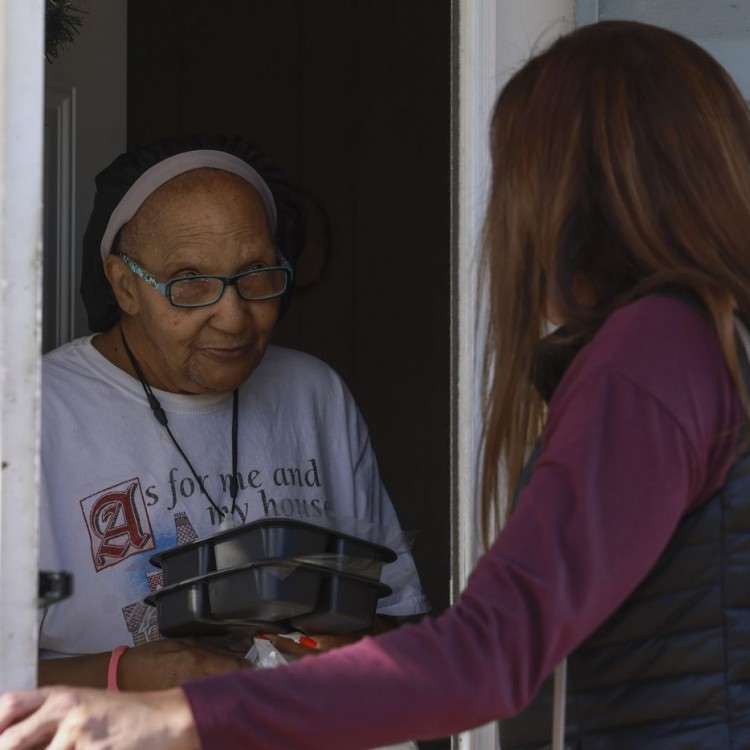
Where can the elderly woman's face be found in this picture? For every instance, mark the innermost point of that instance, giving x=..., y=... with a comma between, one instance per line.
x=205, y=223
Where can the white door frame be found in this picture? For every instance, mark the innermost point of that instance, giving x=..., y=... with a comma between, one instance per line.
x=492, y=39
x=475, y=90
x=475, y=96
x=21, y=122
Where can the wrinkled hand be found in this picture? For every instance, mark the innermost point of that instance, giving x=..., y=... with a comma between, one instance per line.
x=83, y=719
x=169, y=663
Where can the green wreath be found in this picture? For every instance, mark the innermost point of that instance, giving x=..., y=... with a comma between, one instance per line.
x=62, y=23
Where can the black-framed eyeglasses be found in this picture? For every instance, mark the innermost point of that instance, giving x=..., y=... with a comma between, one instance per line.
x=257, y=284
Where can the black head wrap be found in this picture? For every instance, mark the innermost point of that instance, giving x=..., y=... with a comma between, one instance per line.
x=113, y=182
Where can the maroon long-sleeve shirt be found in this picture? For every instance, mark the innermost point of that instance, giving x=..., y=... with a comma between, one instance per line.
x=629, y=447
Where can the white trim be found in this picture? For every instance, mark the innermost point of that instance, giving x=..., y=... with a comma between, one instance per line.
x=21, y=108
x=476, y=92
x=59, y=238
x=476, y=95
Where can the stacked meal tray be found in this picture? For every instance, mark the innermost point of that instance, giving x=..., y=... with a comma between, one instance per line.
x=271, y=575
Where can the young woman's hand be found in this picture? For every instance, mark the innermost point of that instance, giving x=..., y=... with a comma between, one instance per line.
x=60, y=718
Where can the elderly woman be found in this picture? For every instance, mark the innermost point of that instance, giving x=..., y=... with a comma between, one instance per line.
x=179, y=419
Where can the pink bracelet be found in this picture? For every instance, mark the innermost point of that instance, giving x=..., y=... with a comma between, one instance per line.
x=114, y=660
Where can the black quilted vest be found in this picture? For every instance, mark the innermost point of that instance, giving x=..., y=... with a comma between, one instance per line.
x=670, y=669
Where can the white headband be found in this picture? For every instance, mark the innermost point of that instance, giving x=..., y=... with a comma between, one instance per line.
x=165, y=170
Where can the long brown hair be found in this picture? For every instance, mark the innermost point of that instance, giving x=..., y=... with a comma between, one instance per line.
x=620, y=157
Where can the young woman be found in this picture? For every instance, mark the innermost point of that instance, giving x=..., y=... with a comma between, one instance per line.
x=620, y=211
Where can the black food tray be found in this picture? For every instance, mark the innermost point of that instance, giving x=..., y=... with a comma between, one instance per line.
x=267, y=539
x=353, y=555
x=260, y=540
x=184, y=562
x=248, y=598
x=269, y=596
x=183, y=610
x=269, y=590
x=271, y=539
x=346, y=604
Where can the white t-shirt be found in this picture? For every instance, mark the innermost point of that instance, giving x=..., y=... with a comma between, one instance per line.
x=115, y=490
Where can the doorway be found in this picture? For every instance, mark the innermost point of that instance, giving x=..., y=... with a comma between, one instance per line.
x=352, y=98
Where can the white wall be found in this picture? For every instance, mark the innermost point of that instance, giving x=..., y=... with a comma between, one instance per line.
x=524, y=26
x=722, y=27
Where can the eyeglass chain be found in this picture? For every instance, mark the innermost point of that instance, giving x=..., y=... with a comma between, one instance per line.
x=161, y=417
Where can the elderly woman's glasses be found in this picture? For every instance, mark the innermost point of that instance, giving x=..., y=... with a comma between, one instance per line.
x=257, y=284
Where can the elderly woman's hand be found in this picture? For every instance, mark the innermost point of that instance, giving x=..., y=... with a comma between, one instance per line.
x=80, y=719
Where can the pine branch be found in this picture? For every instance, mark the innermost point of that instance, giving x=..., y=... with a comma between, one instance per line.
x=62, y=24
